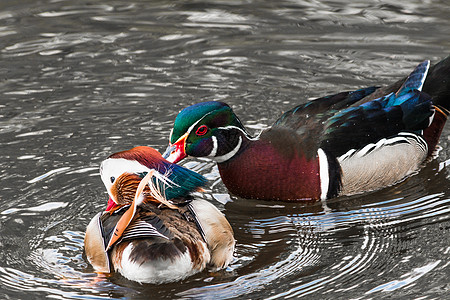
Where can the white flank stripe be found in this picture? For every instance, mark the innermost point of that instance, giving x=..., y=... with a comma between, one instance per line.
x=369, y=148
x=430, y=120
x=346, y=155
x=323, y=173
x=420, y=141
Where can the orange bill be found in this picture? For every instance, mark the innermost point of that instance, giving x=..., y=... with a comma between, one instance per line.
x=177, y=151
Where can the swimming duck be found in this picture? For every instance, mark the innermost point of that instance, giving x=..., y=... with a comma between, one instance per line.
x=342, y=144
x=154, y=230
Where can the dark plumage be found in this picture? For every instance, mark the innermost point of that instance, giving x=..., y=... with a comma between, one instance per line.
x=346, y=143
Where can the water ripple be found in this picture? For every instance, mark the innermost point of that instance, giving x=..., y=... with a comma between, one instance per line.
x=408, y=278
x=81, y=80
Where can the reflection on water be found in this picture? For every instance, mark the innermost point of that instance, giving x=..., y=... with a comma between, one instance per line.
x=82, y=80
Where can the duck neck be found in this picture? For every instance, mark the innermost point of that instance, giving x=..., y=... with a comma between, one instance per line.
x=229, y=143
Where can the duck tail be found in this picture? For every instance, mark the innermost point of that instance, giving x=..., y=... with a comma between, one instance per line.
x=416, y=106
x=415, y=80
x=409, y=95
x=437, y=84
x=433, y=132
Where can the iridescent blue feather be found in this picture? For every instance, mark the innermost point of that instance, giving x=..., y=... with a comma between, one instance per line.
x=181, y=181
x=414, y=105
x=185, y=181
x=408, y=109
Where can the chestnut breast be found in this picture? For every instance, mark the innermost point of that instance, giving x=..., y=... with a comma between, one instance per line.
x=262, y=171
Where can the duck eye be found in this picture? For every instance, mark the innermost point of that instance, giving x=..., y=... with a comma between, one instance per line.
x=113, y=179
x=202, y=130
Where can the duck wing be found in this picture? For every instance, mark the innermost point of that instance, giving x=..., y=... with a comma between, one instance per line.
x=146, y=224
x=437, y=85
x=302, y=126
x=358, y=126
x=314, y=112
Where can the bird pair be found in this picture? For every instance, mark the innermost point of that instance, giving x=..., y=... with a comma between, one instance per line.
x=342, y=144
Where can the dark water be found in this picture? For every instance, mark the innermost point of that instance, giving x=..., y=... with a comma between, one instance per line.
x=80, y=80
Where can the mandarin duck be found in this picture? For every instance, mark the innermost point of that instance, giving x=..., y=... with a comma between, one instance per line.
x=342, y=144
x=154, y=230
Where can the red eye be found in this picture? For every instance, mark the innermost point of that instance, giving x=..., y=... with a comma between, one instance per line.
x=202, y=130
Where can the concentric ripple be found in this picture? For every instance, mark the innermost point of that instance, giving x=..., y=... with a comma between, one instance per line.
x=80, y=80
x=351, y=244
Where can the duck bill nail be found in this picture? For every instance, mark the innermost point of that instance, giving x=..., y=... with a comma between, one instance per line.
x=176, y=155
x=176, y=152
x=169, y=150
x=111, y=204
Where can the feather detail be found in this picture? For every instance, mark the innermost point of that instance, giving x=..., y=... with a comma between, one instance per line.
x=128, y=216
x=94, y=245
x=416, y=79
x=183, y=181
x=407, y=110
x=156, y=190
x=177, y=181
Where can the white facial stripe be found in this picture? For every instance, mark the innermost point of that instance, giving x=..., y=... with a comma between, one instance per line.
x=215, y=146
x=237, y=128
x=114, y=167
x=198, y=121
x=192, y=127
x=230, y=154
x=213, y=152
x=323, y=173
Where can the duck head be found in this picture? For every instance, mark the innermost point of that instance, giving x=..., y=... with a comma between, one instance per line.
x=122, y=172
x=124, y=187
x=207, y=129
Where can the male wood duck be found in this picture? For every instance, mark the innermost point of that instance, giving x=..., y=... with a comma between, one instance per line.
x=148, y=238
x=342, y=144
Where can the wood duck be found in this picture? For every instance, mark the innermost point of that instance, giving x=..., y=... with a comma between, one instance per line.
x=342, y=144
x=154, y=230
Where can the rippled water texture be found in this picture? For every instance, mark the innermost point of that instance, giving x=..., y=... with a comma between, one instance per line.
x=80, y=80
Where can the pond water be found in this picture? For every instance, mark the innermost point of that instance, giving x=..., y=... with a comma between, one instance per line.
x=80, y=80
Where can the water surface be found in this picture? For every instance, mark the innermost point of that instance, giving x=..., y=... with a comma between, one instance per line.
x=80, y=80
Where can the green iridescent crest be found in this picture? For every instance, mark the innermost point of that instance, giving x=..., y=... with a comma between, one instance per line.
x=213, y=114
